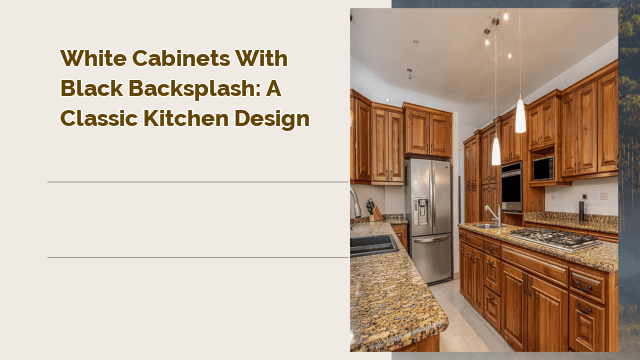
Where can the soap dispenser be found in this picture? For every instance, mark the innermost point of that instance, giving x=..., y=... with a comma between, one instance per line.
x=581, y=208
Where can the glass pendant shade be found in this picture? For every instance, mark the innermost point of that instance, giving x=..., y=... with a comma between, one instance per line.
x=521, y=122
x=495, y=155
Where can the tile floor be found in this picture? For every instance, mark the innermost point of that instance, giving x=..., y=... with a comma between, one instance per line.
x=468, y=331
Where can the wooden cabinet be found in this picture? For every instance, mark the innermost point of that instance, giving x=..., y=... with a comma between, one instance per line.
x=401, y=232
x=589, y=125
x=514, y=306
x=540, y=303
x=427, y=131
x=489, y=172
x=471, y=162
x=440, y=135
x=608, y=122
x=547, y=323
x=490, y=196
x=510, y=141
x=462, y=265
x=542, y=125
x=478, y=280
x=586, y=325
x=387, y=157
x=361, y=128
x=471, y=204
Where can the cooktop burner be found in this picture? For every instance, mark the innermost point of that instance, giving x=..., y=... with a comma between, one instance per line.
x=564, y=240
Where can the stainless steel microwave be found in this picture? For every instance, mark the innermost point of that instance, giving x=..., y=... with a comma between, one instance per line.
x=543, y=168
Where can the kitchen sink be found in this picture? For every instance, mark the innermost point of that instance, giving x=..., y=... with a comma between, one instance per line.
x=372, y=245
x=488, y=226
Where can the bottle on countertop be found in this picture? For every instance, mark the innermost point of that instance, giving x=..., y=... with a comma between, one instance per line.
x=581, y=209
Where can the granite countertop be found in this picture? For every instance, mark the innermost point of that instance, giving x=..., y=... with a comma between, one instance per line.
x=391, y=305
x=603, y=257
x=601, y=223
x=393, y=219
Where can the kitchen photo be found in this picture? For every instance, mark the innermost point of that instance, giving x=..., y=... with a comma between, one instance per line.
x=484, y=180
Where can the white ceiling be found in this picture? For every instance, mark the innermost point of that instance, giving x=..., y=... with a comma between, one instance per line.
x=452, y=62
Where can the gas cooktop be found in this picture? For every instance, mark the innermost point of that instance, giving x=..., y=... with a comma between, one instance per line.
x=559, y=239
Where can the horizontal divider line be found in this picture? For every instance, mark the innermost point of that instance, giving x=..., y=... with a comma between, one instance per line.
x=197, y=257
x=199, y=182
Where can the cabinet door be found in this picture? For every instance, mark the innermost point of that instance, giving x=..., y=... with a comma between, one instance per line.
x=492, y=309
x=586, y=325
x=485, y=164
x=494, y=197
x=569, y=135
x=379, y=146
x=587, y=131
x=548, y=114
x=363, y=143
x=485, y=199
x=440, y=135
x=535, y=123
x=478, y=283
x=417, y=132
x=608, y=122
x=492, y=271
x=517, y=142
x=352, y=139
x=473, y=163
x=547, y=322
x=401, y=233
x=472, y=205
x=514, y=306
x=467, y=159
x=469, y=274
x=396, y=146
x=463, y=277
x=505, y=141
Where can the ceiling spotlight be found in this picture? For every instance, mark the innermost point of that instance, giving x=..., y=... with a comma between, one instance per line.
x=416, y=41
x=409, y=70
x=509, y=56
x=486, y=40
x=506, y=14
x=387, y=99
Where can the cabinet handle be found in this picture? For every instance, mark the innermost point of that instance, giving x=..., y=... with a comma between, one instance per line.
x=581, y=288
x=524, y=281
x=583, y=311
x=529, y=287
x=491, y=297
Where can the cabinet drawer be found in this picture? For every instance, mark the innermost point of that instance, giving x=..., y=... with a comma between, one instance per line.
x=492, y=309
x=492, y=247
x=586, y=325
x=546, y=269
x=491, y=273
x=462, y=236
x=473, y=240
x=587, y=285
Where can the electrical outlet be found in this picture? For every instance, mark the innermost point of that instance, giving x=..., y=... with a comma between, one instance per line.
x=553, y=198
x=604, y=196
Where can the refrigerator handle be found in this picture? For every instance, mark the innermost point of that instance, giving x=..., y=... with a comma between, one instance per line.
x=433, y=198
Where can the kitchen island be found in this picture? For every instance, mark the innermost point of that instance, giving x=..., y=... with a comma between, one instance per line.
x=391, y=306
x=541, y=298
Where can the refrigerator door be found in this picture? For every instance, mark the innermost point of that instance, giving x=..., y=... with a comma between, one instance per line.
x=432, y=256
x=419, y=197
x=441, y=197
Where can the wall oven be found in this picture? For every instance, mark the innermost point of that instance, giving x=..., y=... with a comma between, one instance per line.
x=512, y=187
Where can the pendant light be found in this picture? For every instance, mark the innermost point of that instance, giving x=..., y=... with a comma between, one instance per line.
x=521, y=122
x=495, y=154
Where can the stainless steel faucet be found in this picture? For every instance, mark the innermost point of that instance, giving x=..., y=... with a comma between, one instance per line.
x=356, y=206
x=497, y=218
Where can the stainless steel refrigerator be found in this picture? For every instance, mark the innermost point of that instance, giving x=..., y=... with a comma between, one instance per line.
x=428, y=211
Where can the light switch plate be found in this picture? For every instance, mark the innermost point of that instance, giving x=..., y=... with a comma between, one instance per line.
x=604, y=196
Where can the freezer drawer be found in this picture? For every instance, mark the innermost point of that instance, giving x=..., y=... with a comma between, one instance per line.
x=432, y=256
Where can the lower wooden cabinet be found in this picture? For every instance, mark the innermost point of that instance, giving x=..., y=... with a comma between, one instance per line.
x=535, y=301
x=401, y=232
x=586, y=325
x=491, y=308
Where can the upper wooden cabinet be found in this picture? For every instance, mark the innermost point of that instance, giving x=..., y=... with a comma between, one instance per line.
x=608, y=122
x=427, y=131
x=489, y=172
x=510, y=141
x=543, y=115
x=387, y=148
x=471, y=161
x=589, y=125
x=490, y=196
x=361, y=128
